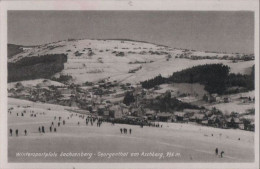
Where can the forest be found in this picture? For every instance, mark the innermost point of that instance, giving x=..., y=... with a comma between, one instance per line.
x=166, y=103
x=215, y=77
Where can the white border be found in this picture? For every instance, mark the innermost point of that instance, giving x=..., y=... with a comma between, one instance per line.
x=177, y=5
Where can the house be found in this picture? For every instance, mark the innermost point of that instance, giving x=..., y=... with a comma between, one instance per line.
x=186, y=119
x=124, y=110
x=19, y=86
x=164, y=116
x=132, y=119
x=246, y=99
x=64, y=91
x=205, y=122
x=119, y=94
x=217, y=121
x=233, y=122
x=150, y=114
x=179, y=116
x=212, y=119
x=101, y=109
x=118, y=114
x=198, y=117
x=137, y=112
x=106, y=114
x=241, y=126
x=251, y=126
x=96, y=86
x=208, y=113
x=227, y=99
x=89, y=107
x=223, y=124
x=212, y=98
x=116, y=111
x=94, y=111
x=218, y=99
x=73, y=104
x=191, y=111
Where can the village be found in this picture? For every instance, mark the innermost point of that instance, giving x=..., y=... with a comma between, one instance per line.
x=129, y=104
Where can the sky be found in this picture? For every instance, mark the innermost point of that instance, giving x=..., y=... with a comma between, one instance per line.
x=221, y=31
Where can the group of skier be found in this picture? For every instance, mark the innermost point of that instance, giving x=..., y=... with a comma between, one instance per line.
x=221, y=153
x=124, y=130
x=17, y=132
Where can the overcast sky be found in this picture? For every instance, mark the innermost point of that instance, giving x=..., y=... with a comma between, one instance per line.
x=212, y=31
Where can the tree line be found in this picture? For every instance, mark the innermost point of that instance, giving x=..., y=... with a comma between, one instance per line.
x=166, y=103
x=215, y=77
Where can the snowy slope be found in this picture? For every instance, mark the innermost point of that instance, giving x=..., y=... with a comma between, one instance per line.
x=92, y=60
x=34, y=83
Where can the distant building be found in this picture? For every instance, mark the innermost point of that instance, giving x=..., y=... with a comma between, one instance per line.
x=118, y=114
x=241, y=126
x=65, y=91
x=251, y=126
x=191, y=112
x=73, y=104
x=116, y=111
x=164, y=116
x=150, y=114
x=119, y=94
x=101, y=109
x=180, y=116
x=137, y=112
x=205, y=122
x=233, y=122
x=198, y=117
x=106, y=114
x=227, y=99
x=212, y=98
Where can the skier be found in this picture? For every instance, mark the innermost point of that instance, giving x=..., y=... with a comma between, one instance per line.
x=221, y=154
x=216, y=151
x=11, y=132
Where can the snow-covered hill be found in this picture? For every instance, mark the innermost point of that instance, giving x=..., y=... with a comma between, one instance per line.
x=126, y=60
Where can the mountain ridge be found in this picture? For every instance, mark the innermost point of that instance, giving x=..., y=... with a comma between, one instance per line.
x=126, y=60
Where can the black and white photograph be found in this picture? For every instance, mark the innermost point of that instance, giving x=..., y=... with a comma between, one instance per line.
x=131, y=86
